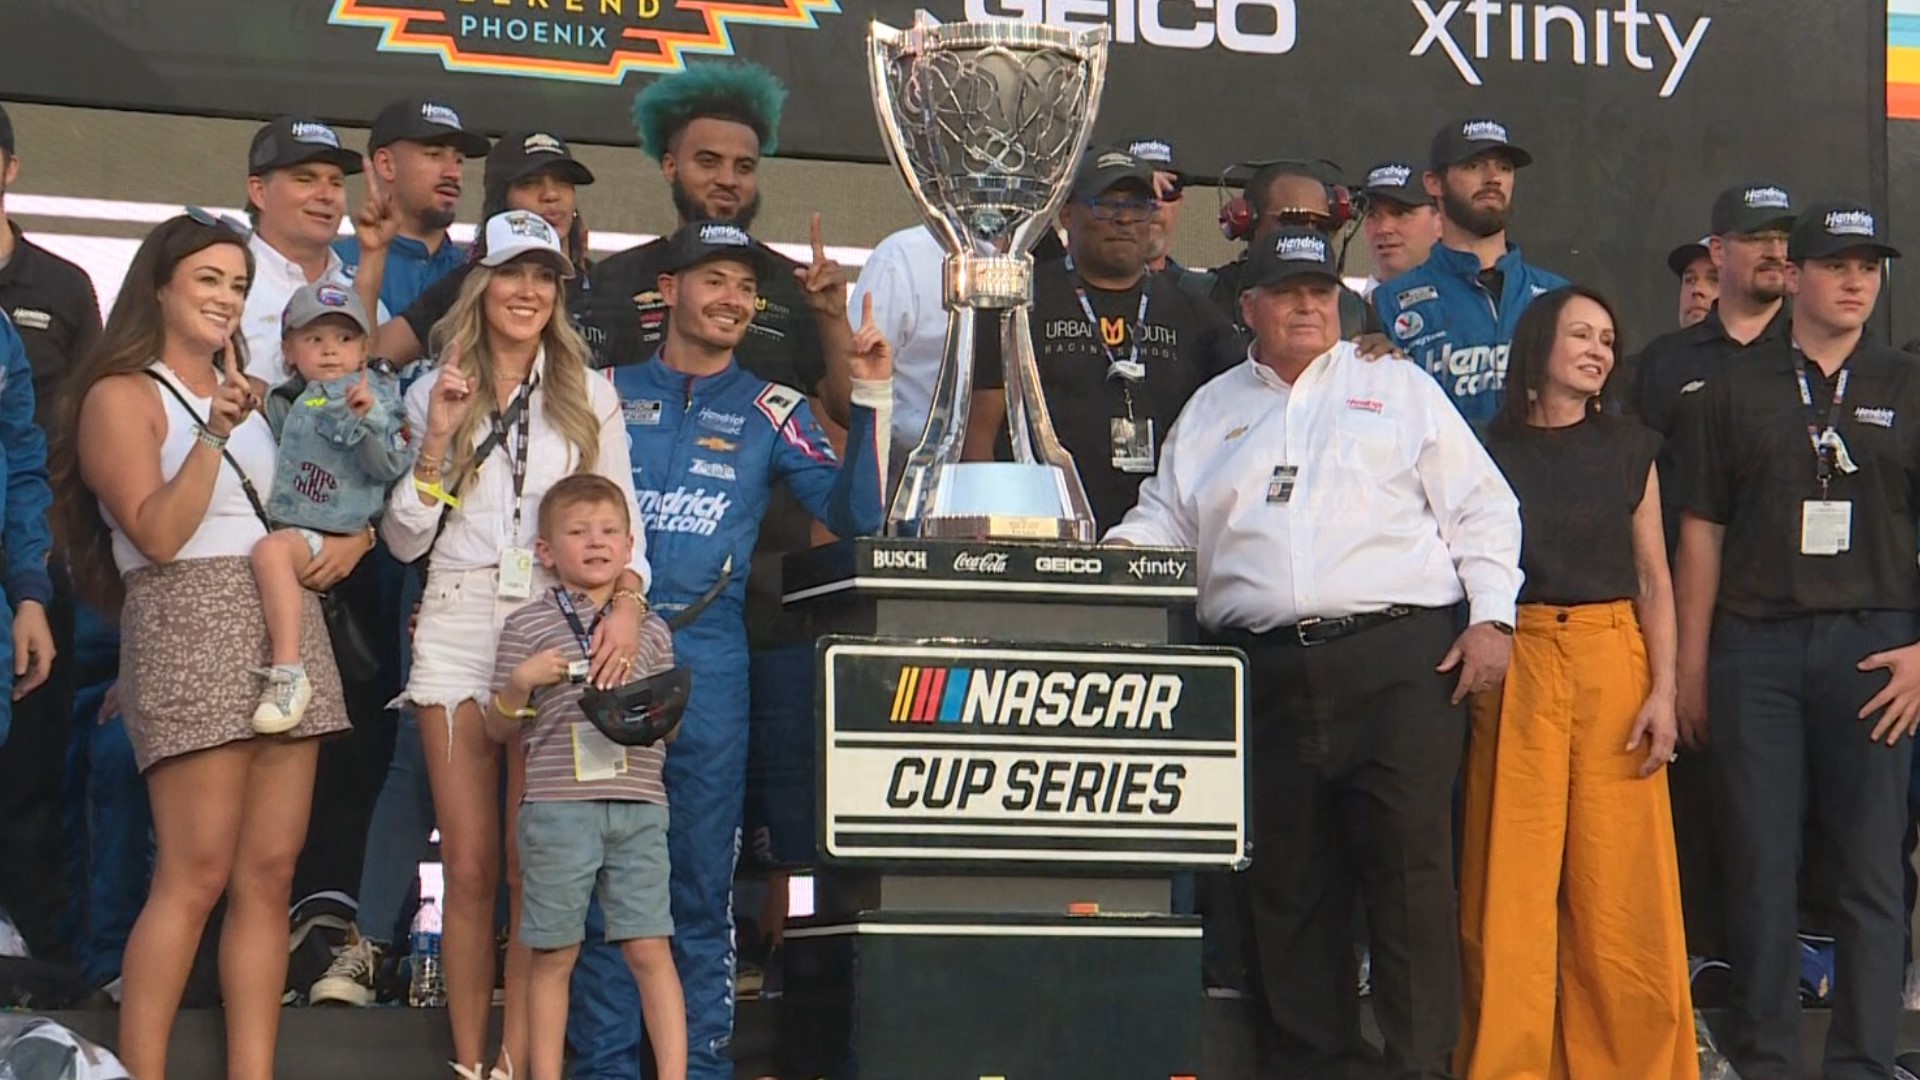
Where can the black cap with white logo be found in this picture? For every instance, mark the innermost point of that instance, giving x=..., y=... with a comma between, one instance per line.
x=425, y=121
x=1464, y=140
x=1745, y=209
x=296, y=140
x=1157, y=153
x=1831, y=229
x=1396, y=181
x=1683, y=256
x=520, y=154
x=1103, y=170
x=703, y=241
x=1288, y=254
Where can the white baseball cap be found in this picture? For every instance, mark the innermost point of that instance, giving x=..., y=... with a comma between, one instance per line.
x=514, y=233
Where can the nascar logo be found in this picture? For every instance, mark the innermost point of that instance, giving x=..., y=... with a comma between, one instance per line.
x=1133, y=701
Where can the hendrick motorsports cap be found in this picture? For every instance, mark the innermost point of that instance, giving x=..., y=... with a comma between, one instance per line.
x=314, y=302
x=1157, y=153
x=703, y=241
x=514, y=233
x=1290, y=253
x=1745, y=209
x=423, y=120
x=1465, y=139
x=296, y=140
x=1829, y=229
x=1396, y=181
x=520, y=154
x=1103, y=170
x=1683, y=256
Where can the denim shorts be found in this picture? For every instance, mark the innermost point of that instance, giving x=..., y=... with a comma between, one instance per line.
x=572, y=851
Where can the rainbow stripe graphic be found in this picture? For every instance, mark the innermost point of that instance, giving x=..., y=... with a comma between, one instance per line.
x=430, y=29
x=930, y=695
x=1903, y=59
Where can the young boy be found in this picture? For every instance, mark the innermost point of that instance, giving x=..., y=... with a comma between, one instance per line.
x=595, y=812
x=341, y=445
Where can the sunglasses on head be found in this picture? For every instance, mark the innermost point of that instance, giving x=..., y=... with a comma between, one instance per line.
x=202, y=216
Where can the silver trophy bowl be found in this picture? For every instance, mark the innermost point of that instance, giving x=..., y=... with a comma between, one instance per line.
x=986, y=123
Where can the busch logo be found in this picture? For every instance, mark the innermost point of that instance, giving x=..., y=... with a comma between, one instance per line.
x=308, y=132
x=1770, y=198
x=683, y=511
x=1390, y=176
x=1061, y=564
x=1259, y=27
x=992, y=562
x=723, y=234
x=899, y=560
x=1554, y=26
x=1849, y=223
x=1146, y=566
x=1476, y=369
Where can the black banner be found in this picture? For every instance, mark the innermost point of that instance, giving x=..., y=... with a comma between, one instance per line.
x=936, y=751
x=977, y=569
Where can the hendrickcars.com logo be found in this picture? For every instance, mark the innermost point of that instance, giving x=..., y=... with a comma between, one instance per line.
x=597, y=41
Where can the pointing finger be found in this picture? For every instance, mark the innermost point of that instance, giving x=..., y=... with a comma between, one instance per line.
x=866, y=311
x=819, y=248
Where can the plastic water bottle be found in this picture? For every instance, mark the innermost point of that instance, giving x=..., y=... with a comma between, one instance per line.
x=428, y=988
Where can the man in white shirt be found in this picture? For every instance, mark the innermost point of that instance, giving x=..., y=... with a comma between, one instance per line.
x=297, y=195
x=904, y=275
x=1341, y=511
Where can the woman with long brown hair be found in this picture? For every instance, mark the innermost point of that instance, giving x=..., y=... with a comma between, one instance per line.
x=509, y=410
x=162, y=456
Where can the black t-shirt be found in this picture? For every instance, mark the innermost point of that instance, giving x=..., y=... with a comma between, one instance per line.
x=1183, y=342
x=433, y=304
x=1747, y=463
x=52, y=303
x=782, y=344
x=1578, y=488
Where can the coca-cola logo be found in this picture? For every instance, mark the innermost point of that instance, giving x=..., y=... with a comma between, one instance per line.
x=991, y=562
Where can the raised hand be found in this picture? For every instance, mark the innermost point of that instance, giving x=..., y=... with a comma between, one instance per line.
x=377, y=221
x=872, y=356
x=825, y=281
x=452, y=397
x=233, y=397
x=360, y=395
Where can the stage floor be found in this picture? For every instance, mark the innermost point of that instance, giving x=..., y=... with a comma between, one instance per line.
x=411, y=1044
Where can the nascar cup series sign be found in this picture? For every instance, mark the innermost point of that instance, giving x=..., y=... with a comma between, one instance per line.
x=938, y=753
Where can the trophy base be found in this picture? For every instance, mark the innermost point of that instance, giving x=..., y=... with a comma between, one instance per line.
x=997, y=500
x=994, y=527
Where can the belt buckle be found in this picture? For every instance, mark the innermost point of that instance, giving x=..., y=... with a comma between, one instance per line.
x=1300, y=631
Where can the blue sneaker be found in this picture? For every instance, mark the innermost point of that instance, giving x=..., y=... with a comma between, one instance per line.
x=1816, y=971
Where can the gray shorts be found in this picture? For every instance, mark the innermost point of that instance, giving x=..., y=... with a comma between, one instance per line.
x=572, y=851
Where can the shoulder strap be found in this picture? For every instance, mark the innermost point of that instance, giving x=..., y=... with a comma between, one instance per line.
x=246, y=482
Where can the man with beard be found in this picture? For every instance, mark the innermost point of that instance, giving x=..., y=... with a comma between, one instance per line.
x=1283, y=194
x=414, y=157
x=1455, y=314
x=1400, y=222
x=1120, y=350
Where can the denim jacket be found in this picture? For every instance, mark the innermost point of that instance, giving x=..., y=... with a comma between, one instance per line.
x=334, y=467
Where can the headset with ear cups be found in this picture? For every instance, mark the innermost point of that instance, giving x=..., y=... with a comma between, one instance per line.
x=1236, y=214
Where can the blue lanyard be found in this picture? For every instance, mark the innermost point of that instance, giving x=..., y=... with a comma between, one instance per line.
x=581, y=633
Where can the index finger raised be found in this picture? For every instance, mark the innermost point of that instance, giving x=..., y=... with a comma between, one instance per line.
x=819, y=247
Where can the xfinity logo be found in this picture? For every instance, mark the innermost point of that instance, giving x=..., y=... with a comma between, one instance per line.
x=992, y=562
x=1260, y=27
x=1147, y=566
x=899, y=560
x=1061, y=564
x=1544, y=33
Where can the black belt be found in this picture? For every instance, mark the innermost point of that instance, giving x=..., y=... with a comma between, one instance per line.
x=1315, y=631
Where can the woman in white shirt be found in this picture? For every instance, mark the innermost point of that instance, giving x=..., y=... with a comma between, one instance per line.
x=508, y=411
x=162, y=454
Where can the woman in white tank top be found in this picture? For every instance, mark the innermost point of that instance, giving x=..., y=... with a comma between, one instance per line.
x=152, y=473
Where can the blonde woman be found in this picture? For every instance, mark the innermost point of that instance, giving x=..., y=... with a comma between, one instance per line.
x=508, y=411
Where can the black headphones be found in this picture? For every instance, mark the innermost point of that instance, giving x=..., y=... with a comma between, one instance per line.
x=1236, y=214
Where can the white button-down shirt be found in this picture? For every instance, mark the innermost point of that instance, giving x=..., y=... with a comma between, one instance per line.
x=275, y=279
x=482, y=528
x=1395, y=501
x=904, y=275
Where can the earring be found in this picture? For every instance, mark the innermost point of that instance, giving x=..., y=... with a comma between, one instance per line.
x=1532, y=395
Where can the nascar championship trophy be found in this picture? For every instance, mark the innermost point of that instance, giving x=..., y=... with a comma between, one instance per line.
x=986, y=123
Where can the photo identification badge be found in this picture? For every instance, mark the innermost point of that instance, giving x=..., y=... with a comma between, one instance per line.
x=516, y=574
x=1826, y=527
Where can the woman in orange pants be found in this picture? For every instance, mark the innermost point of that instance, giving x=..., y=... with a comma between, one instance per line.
x=1574, y=956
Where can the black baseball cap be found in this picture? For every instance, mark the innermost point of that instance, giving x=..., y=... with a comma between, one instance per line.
x=1463, y=140
x=1398, y=182
x=1745, y=209
x=6, y=130
x=1829, y=229
x=1682, y=257
x=1103, y=170
x=1157, y=153
x=424, y=120
x=296, y=140
x=697, y=242
x=520, y=154
x=1289, y=253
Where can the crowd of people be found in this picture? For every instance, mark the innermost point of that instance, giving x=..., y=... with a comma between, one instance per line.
x=1560, y=663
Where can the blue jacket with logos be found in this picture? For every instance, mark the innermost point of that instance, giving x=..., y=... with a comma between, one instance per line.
x=707, y=452
x=23, y=485
x=1442, y=316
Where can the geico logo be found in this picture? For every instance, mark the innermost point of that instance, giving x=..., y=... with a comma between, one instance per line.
x=1265, y=27
x=899, y=560
x=1060, y=564
x=682, y=511
x=1023, y=696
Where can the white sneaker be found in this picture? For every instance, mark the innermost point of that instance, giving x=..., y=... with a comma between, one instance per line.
x=475, y=1072
x=349, y=979
x=283, y=701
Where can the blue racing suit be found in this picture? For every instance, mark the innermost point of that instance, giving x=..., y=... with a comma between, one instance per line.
x=1442, y=316
x=707, y=452
x=27, y=498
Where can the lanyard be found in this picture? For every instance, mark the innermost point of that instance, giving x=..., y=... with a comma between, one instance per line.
x=1128, y=370
x=1824, y=442
x=581, y=633
x=510, y=431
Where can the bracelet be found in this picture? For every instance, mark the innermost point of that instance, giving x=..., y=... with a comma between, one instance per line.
x=425, y=470
x=209, y=439
x=435, y=492
x=634, y=595
x=513, y=714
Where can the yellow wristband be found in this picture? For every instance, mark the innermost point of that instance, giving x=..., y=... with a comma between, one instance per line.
x=513, y=714
x=436, y=492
